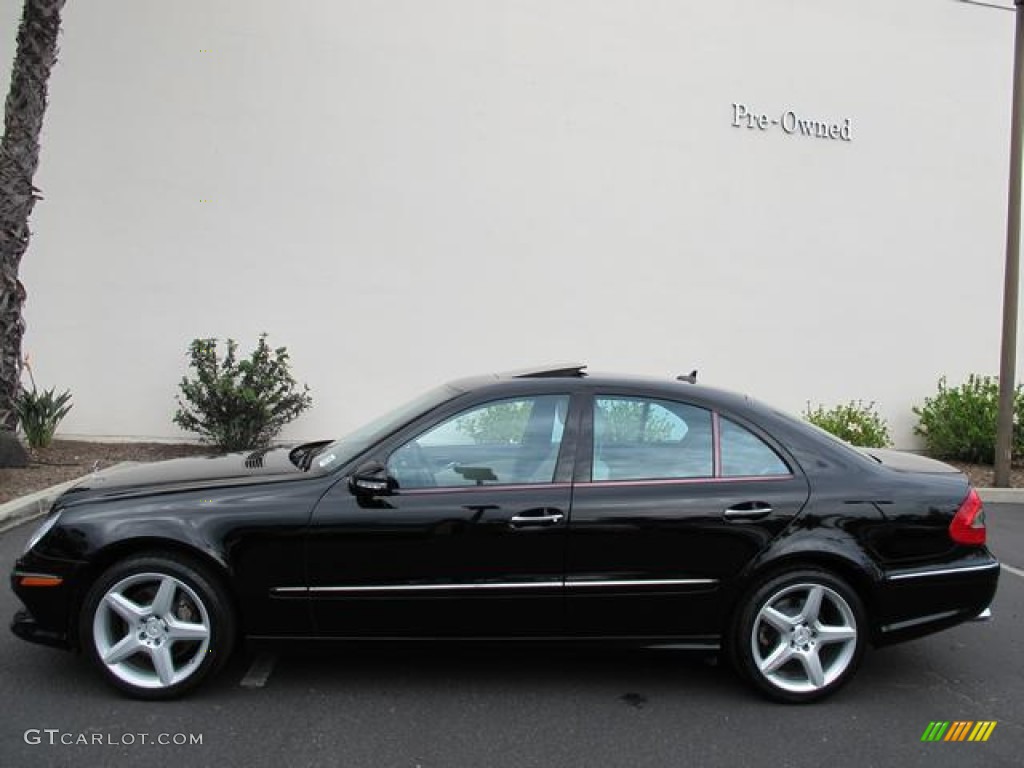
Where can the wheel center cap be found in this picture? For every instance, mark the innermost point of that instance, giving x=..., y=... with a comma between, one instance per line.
x=802, y=636
x=154, y=627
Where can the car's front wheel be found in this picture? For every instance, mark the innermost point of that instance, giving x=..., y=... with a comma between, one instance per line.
x=800, y=635
x=157, y=625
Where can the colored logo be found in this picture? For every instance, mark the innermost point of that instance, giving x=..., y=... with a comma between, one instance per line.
x=959, y=730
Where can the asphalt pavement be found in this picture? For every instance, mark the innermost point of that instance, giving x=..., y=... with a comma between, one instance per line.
x=492, y=707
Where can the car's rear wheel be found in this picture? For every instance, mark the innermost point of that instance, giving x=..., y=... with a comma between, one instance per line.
x=157, y=625
x=800, y=635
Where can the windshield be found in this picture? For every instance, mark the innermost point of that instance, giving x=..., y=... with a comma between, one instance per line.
x=351, y=445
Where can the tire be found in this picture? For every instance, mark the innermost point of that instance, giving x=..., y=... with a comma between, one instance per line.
x=799, y=636
x=156, y=625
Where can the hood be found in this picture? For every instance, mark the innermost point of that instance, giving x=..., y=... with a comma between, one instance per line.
x=246, y=468
x=901, y=461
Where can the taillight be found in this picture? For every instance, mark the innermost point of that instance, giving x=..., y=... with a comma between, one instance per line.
x=968, y=526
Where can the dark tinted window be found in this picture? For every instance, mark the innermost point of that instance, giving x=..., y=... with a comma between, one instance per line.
x=506, y=441
x=643, y=439
x=744, y=454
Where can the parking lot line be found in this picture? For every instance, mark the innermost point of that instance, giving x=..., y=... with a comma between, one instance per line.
x=260, y=671
x=1014, y=571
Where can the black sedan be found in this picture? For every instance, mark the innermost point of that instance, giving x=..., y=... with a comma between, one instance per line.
x=547, y=505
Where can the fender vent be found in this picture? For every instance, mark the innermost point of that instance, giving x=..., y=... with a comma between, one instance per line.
x=255, y=459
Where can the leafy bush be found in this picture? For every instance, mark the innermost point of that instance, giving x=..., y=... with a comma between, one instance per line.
x=854, y=422
x=960, y=422
x=239, y=404
x=39, y=413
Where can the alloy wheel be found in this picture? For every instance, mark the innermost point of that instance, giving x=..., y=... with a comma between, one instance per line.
x=151, y=630
x=804, y=637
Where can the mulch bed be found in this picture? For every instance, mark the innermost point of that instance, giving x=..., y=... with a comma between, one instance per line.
x=67, y=459
x=981, y=475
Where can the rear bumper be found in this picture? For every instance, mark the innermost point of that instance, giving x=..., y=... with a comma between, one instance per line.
x=917, y=602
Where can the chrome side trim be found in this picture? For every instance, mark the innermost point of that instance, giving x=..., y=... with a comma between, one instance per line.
x=918, y=621
x=638, y=582
x=941, y=572
x=695, y=646
x=419, y=587
x=361, y=589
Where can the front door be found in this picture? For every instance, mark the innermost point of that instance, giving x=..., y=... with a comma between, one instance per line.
x=468, y=541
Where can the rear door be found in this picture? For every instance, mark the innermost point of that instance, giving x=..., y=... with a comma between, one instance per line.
x=671, y=501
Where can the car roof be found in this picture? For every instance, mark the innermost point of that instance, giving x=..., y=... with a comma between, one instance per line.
x=575, y=377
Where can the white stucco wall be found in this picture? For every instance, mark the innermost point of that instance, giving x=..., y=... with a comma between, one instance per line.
x=407, y=192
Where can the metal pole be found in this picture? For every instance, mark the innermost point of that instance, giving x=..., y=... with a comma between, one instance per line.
x=1008, y=358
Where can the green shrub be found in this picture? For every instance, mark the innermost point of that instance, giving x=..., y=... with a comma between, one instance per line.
x=39, y=413
x=239, y=405
x=854, y=422
x=960, y=422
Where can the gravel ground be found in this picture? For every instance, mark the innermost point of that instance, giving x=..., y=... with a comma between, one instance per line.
x=67, y=459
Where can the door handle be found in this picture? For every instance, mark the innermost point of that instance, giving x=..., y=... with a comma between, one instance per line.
x=544, y=517
x=748, y=510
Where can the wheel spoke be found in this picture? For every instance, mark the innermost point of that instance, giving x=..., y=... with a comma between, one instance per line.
x=128, y=610
x=163, y=663
x=812, y=666
x=164, y=597
x=777, y=619
x=831, y=634
x=776, y=658
x=812, y=606
x=125, y=648
x=183, y=630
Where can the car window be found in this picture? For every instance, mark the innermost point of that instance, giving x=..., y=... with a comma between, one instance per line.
x=646, y=439
x=512, y=441
x=744, y=454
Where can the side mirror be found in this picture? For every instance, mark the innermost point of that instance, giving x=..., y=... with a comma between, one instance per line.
x=370, y=479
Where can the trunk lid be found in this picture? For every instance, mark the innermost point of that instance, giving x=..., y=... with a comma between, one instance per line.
x=902, y=461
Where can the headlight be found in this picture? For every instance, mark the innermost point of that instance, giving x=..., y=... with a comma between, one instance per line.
x=42, y=530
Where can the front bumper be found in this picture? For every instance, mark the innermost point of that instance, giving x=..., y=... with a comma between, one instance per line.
x=47, y=588
x=26, y=627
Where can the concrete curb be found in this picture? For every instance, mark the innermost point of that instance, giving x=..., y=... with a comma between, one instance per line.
x=26, y=508
x=1002, y=495
x=35, y=504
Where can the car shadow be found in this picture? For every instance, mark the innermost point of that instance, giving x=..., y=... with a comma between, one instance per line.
x=635, y=675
